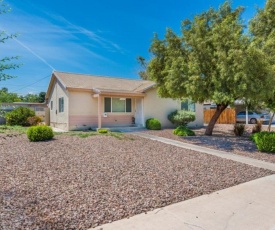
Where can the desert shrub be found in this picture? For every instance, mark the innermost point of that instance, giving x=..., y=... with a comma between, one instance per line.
x=181, y=117
x=19, y=116
x=35, y=120
x=40, y=133
x=265, y=141
x=239, y=129
x=102, y=130
x=257, y=127
x=183, y=131
x=153, y=124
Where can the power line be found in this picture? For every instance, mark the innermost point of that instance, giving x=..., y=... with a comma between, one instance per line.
x=32, y=83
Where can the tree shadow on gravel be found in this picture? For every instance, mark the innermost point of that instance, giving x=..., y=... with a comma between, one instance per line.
x=226, y=143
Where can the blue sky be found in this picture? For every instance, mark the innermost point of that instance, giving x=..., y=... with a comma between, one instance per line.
x=87, y=36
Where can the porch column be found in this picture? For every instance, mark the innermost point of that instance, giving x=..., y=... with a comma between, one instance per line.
x=99, y=108
x=142, y=112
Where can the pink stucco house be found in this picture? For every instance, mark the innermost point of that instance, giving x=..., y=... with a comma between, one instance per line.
x=78, y=101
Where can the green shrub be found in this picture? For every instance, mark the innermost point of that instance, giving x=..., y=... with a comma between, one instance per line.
x=102, y=130
x=239, y=129
x=19, y=116
x=153, y=124
x=35, y=120
x=183, y=131
x=265, y=141
x=40, y=133
x=181, y=117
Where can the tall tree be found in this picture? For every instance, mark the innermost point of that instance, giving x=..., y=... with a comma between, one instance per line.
x=211, y=60
x=262, y=28
x=6, y=63
x=34, y=97
x=7, y=97
x=41, y=97
x=144, y=75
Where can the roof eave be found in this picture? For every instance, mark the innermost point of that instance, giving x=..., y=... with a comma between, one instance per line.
x=53, y=77
x=147, y=88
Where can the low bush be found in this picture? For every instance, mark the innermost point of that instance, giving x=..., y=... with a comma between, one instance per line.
x=239, y=129
x=258, y=127
x=35, y=120
x=153, y=124
x=19, y=116
x=102, y=130
x=40, y=133
x=181, y=117
x=265, y=141
x=183, y=131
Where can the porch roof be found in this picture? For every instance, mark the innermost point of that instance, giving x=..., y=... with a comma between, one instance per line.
x=124, y=93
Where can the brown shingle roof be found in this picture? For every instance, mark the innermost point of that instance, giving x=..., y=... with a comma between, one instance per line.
x=82, y=81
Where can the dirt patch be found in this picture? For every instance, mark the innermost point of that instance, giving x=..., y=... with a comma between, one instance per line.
x=77, y=183
x=222, y=139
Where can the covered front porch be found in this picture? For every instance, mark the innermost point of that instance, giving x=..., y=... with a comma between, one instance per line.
x=119, y=109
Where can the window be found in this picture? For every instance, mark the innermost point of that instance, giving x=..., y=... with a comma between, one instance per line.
x=51, y=105
x=39, y=109
x=61, y=104
x=117, y=105
x=188, y=105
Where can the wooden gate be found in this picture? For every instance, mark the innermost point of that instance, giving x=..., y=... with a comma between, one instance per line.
x=228, y=116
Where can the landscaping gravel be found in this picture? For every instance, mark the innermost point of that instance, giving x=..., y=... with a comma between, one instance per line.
x=223, y=139
x=77, y=183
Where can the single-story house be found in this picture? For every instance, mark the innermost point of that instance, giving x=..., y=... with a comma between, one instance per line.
x=79, y=101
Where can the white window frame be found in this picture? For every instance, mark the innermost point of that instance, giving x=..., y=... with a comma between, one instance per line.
x=51, y=104
x=124, y=106
x=61, y=105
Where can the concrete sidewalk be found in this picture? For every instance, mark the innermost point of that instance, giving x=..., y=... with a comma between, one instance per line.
x=246, y=206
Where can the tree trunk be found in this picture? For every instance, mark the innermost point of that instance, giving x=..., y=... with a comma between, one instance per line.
x=215, y=117
x=270, y=122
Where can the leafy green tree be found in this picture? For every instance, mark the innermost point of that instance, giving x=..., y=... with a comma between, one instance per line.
x=30, y=98
x=262, y=28
x=41, y=97
x=212, y=59
x=34, y=97
x=6, y=63
x=6, y=97
x=143, y=73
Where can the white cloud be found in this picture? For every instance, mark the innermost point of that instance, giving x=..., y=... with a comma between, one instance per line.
x=47, y=41
x=54, y=39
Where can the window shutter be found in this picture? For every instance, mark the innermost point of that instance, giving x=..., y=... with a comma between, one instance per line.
x=107, y=104
x=128, y=105
x=59, y=105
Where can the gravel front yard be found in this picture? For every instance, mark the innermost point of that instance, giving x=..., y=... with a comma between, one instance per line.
x=222, y=139
x=77, y=183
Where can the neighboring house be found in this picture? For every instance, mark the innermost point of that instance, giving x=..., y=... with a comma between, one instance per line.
x=39, y=108
x=79, y=101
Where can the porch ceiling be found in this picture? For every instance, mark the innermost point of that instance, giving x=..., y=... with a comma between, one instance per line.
x=119, y=93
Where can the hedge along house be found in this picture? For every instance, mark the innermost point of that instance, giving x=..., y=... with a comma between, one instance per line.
x=79, y=101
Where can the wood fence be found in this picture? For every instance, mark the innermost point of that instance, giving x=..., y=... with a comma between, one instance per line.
x=228, y=116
